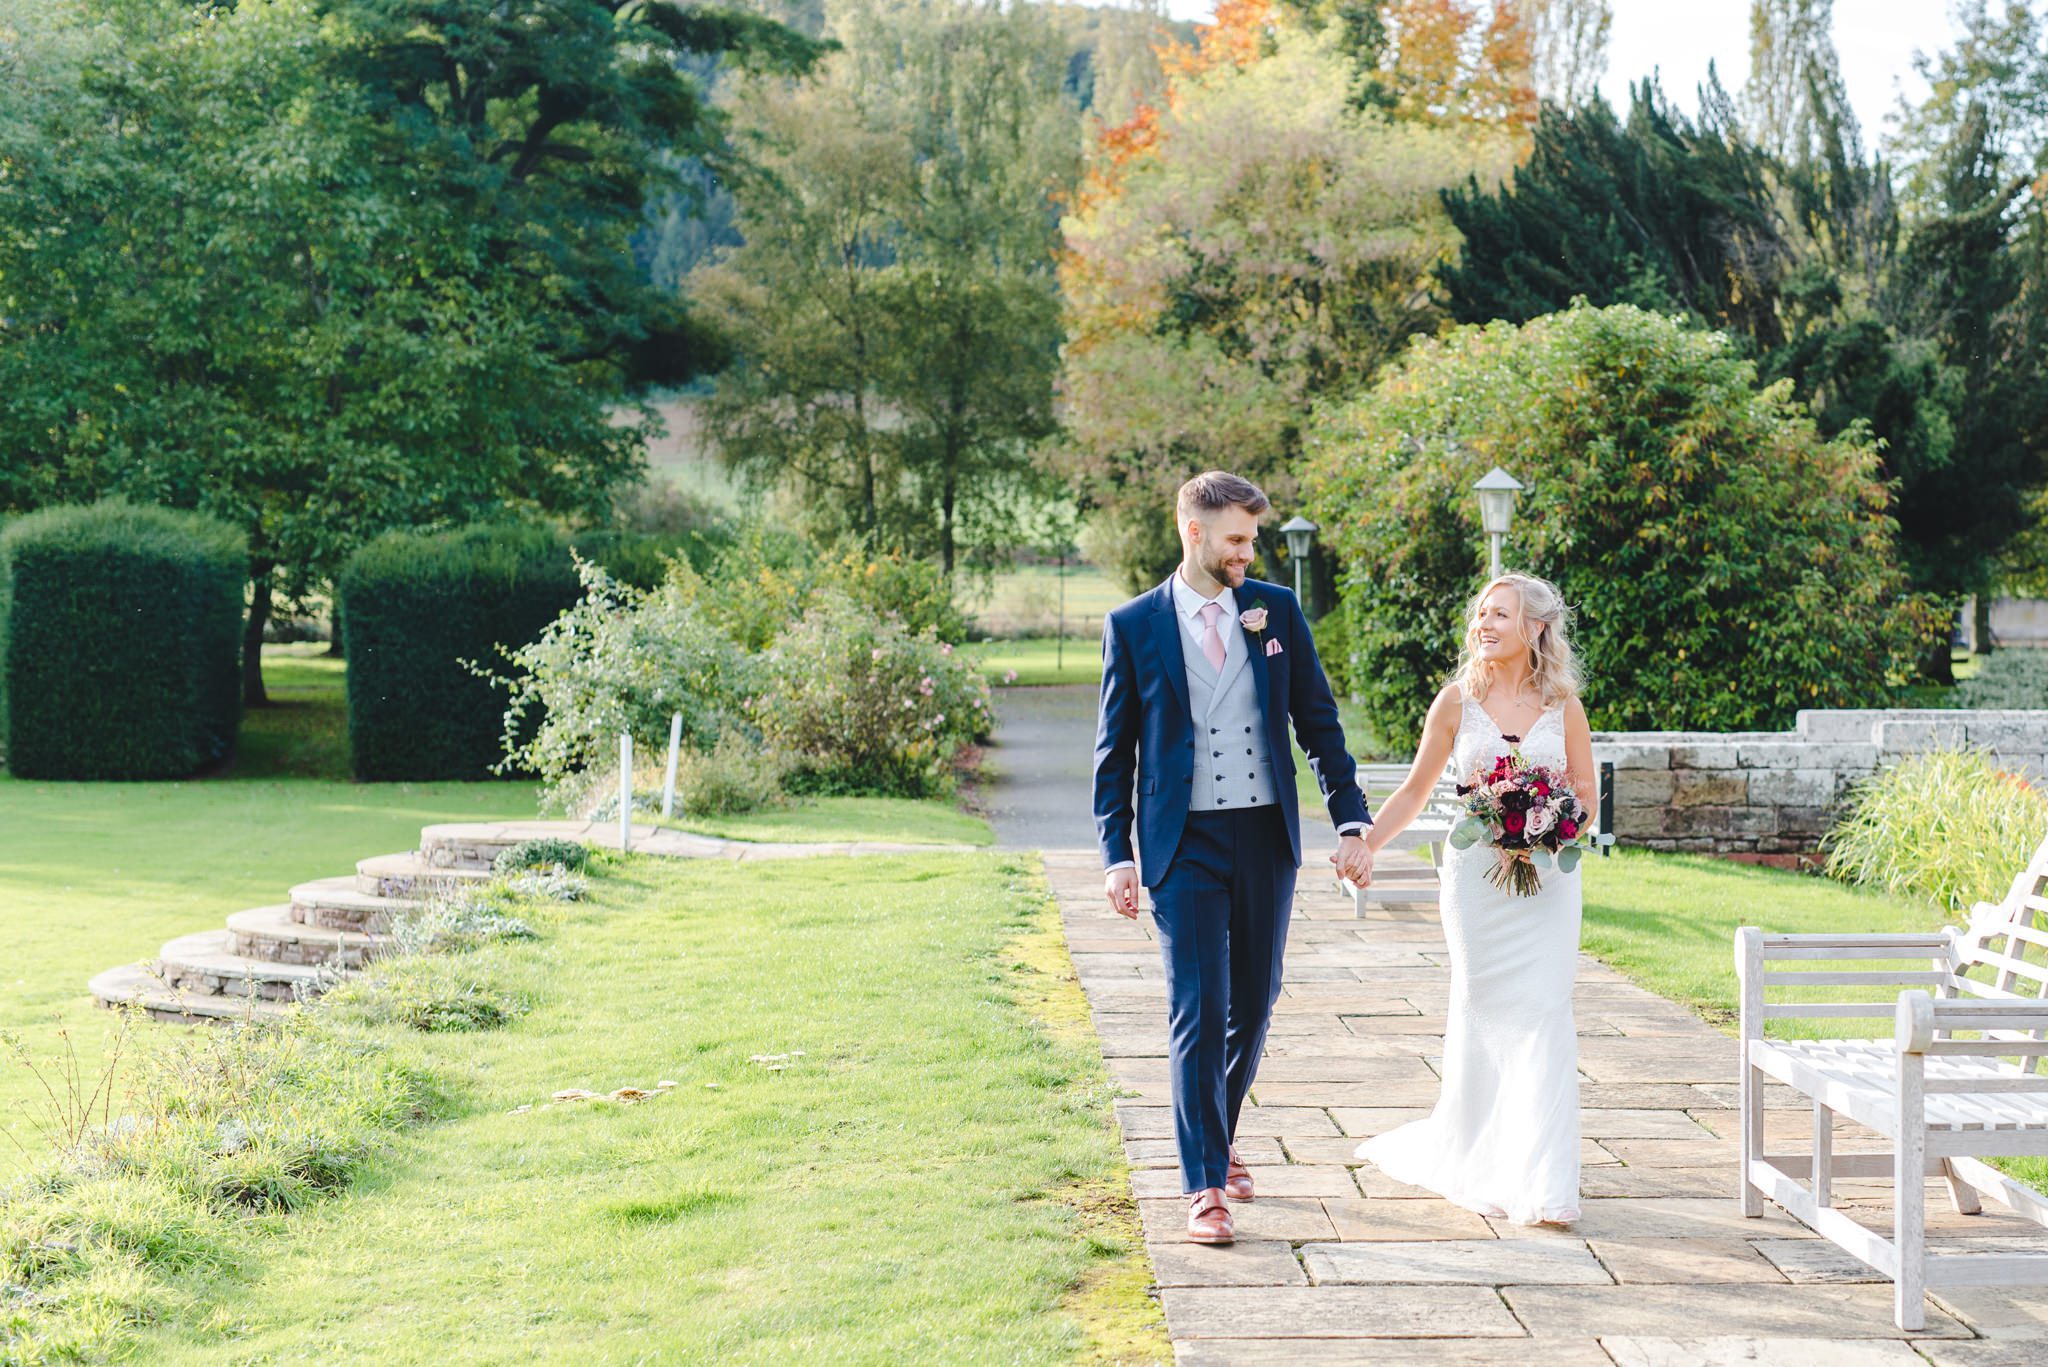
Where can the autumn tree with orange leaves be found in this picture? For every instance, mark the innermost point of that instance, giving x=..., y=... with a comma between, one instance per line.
x=1263, y=238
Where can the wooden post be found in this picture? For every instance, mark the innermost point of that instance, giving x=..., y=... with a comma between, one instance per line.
x=1823, y=1154
x=625, y=791
x=1749, y=972
x=668, y=788
x=1915, y=1032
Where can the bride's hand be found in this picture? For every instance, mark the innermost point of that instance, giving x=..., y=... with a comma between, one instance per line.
x=1353, y=860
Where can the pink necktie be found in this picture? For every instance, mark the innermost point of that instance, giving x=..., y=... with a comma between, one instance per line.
x=1212, y=644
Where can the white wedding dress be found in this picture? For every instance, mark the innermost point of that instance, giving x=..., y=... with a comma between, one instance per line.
x=1504, y=1137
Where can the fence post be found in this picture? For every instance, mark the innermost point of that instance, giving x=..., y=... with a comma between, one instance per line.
x=668, y=789
x=625, y=791
x=1607, y=807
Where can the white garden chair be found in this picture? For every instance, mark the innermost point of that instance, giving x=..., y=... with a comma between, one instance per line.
x=1958, y=1081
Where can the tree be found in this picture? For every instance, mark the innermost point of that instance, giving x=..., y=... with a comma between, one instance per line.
x=1999, y=66
x=1265, y=239
x=1568, y=47
x=324, y=269
x=1792, y=66
x=1728, y=565
x=893, y=308
x=1659, y=211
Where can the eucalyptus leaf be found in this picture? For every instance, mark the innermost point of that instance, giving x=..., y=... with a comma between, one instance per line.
x=1467, y=833
x=1540, y=859
x=1568, y=858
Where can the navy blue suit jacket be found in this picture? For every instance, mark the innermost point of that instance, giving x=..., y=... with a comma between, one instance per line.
x=1145, y=730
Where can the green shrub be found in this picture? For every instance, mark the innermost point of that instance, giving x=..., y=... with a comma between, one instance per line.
x=1947, y=826
x=860, y=704
x=642, y=559
x=620, y=659
x=1728, y=567
x=737, y=775
x=767, y=580
x=120, y=641
x=2007, y=679
x=418, y=607
x=540, y=853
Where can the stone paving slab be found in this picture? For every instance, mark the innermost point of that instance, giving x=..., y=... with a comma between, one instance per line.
x=1736, y=1352
x=1318, y=1312
x=1477, y=1262
x=1685, y=1260
x=1338, y=1263
x=1248, y=1262
x=1476, y=1352
x=1761, y=1312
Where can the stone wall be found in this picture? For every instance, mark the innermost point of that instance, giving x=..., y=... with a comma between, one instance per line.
x=1768, y=796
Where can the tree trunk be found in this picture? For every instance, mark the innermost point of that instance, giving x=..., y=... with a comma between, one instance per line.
x=1981, y=642
x=334, y=643
x=252, y=639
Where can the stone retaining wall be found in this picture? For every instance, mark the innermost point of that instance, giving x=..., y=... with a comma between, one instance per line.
x=1768, y=796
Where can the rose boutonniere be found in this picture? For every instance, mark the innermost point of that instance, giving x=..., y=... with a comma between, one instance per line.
x=1253, y=619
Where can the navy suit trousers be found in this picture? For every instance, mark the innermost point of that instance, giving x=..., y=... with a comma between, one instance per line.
x=1221, y=914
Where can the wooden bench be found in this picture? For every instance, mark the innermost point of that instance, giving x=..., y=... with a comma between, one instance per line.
x=1958, y=1081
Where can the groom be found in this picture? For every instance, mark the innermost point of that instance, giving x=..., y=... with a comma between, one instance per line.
x=1199, y=678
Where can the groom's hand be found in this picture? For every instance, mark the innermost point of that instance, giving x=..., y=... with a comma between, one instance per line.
x=1121, y=887
x=1353, y=860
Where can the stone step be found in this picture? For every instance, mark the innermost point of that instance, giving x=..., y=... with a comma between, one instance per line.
x=337, y=904
x=205, y=964
x=474, y=844
x=271, y=933
x=138, y=985
x=410, y=875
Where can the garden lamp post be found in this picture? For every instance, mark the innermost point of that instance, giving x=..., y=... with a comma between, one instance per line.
x=1497, y=492
x=1300, y=534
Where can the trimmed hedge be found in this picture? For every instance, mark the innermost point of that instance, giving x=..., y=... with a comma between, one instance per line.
x=417, y=606
x=120, y=641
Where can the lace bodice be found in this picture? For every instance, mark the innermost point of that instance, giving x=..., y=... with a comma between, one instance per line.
x=1480, y=742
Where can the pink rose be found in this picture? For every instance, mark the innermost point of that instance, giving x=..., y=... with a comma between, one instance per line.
x=1254, y=619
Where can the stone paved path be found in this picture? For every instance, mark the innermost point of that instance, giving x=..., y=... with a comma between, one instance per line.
x=1336, y=1264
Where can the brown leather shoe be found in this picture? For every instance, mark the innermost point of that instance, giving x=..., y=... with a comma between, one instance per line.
x=1209, y=1218
x=1237, y=1181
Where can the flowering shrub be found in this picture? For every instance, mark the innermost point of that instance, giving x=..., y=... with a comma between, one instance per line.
x=766, y=582
x=622, y=659
x=859, y=702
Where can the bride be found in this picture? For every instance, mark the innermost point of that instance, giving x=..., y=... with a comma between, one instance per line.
x=1503, y=1139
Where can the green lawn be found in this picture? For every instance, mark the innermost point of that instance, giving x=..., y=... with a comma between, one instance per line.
x=1039, y=660
x=830, y=820
x=910, y=1187
x=1669, y=921
x=1025, y=600
x=98, y=874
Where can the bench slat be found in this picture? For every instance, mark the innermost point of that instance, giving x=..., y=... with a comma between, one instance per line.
x=1875, y=977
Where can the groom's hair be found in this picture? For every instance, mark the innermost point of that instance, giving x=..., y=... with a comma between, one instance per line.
x=1213, y=489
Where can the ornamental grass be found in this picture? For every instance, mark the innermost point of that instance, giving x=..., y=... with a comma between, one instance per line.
x=1949, y=827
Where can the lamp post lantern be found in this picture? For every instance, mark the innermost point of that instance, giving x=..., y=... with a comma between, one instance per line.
x=1300, y=534
x=1497, y=492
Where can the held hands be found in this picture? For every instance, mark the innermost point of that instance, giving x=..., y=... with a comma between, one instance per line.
x=1353, y=860
x=1121, y=887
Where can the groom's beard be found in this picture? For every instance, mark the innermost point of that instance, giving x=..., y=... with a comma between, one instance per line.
x=1223, y=572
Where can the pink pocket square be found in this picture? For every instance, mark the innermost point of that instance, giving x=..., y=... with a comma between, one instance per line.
x=1272, y=647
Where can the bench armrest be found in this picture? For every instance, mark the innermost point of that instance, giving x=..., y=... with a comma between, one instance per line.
x=1920, y=1018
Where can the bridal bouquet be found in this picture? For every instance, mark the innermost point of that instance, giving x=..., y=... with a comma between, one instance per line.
x=1526, y=811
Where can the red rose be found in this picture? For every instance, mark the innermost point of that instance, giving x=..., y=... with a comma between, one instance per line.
x=1512, y=822
x=1568, y=829
x=1542, y=788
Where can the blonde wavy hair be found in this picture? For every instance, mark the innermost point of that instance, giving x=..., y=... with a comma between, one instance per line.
x=1544, y=616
